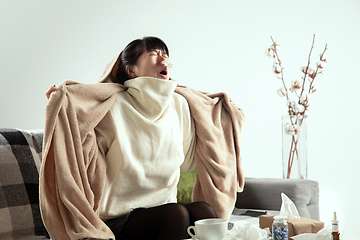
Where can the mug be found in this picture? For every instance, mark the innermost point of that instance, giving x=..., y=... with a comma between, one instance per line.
x=209, y=229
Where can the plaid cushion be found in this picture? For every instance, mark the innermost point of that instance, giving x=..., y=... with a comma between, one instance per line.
x=20, y=161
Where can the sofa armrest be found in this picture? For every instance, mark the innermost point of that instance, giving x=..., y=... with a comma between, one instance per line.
x=20, y=162
x=265, y=193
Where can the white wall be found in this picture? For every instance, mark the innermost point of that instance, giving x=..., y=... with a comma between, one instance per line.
x=216, y=46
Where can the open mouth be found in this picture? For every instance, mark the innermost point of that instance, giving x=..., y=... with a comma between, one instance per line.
x=163, y=73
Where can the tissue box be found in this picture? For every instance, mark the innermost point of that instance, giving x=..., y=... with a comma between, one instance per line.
x=296, y=226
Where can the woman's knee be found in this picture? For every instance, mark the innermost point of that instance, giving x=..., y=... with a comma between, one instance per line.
x=178, y=212
x=200, y=210
x=208, y=209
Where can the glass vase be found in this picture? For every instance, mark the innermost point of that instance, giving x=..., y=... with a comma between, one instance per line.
x=294, y=149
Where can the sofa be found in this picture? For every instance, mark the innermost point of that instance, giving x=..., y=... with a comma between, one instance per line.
x=20, y=162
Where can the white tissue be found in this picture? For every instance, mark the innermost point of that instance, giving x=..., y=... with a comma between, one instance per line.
x=288, y=208
x=254, y=232
x=167, y=64
x=289, y=211
x=245, y=230
x=323, y=234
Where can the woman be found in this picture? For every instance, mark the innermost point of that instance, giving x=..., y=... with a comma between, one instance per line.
x=150, y=120
x=146, y=137
x=112, y=152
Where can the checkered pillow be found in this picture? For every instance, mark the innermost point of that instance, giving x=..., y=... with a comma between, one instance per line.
x=20, y=161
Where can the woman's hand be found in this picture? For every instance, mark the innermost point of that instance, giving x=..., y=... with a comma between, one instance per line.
x=231, y=101
x=50, y=90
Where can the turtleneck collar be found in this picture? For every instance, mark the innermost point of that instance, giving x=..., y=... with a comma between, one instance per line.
x=150, y=96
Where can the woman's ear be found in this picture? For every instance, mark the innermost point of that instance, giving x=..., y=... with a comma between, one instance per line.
x=130, y=70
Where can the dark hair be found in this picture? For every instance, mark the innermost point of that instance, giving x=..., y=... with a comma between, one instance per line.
x=133, y=51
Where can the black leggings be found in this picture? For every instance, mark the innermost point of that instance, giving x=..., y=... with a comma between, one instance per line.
x=169, y=221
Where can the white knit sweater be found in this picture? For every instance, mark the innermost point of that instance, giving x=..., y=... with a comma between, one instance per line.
x=146, y=137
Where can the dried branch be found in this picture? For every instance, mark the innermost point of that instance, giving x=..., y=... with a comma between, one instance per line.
x=293, y=107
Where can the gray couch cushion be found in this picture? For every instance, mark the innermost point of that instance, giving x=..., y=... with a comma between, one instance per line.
x=265, y=193
x=20, y=161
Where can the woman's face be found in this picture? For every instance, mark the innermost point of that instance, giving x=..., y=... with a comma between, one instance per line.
x=149, y=64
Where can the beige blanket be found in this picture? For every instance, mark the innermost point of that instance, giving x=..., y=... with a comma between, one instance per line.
x=73, y=172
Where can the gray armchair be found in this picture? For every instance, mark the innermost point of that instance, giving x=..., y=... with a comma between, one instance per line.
x=265, y=194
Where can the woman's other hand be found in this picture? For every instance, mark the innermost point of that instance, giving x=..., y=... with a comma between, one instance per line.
x=50, y=90
x=231, y=101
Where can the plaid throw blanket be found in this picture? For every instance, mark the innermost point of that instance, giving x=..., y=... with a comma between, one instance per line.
x=20, y=162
